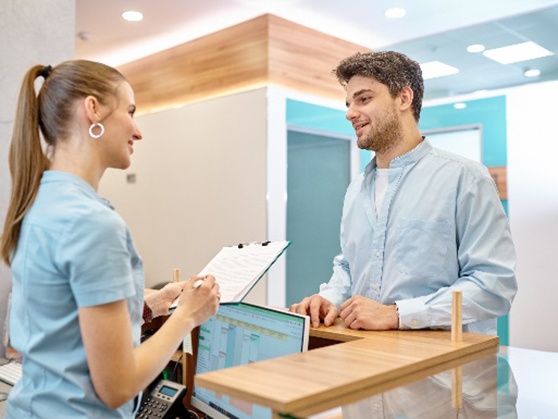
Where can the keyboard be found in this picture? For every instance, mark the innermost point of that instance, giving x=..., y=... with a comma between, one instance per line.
x=11, y=372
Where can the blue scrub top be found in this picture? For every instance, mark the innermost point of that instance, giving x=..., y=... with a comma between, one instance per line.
x=74, y=251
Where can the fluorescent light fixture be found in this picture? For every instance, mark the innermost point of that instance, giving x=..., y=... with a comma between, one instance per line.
x=532, y=73
x=516, y=53
x=433, y=69
x=476, y=48
x=395, y=12
x=132, y=16
x=459, y=105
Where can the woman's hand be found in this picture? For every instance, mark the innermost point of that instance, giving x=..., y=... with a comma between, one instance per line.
x=198, y=303
x=159, y=301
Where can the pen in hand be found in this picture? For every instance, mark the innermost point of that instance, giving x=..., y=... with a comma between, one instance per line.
x=198, y=283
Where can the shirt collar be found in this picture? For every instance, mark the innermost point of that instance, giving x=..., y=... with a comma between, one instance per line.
x=52, y=176
x=410, y=157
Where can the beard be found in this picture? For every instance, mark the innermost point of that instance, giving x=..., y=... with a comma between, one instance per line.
x=384, y=136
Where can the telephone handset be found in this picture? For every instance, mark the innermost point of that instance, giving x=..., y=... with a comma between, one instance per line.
x=163, y=401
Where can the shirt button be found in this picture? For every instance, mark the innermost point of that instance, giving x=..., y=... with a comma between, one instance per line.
x=377, y=253
x=415, y=322
x=375, y=287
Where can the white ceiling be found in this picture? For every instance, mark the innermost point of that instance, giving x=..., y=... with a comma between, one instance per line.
x=431, y=30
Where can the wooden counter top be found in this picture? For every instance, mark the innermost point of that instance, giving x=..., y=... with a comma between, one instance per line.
x=359, y=363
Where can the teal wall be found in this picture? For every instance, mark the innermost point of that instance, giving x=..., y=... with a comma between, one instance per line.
x=318, y=174
x=319, y=118
x=489, y=113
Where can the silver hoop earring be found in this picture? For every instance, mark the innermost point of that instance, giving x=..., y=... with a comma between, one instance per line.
x=99, y=135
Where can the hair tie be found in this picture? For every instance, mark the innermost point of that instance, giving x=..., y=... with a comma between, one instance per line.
x=46, y=71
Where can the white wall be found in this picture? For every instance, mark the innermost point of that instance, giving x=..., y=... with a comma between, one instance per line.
x=200, y=184
x=532, y=112
x=209, y=174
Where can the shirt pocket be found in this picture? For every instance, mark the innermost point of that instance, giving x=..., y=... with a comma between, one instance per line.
x=422, y=247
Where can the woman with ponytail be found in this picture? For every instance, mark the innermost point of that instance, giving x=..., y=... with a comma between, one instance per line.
x=77, y=293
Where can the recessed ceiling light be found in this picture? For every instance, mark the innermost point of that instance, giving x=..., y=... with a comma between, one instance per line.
x=532, y=73
x=516, y=53
x=460, y=105
x=395, y=12
x=433, y=69
x=132, y=16
x=476, y=48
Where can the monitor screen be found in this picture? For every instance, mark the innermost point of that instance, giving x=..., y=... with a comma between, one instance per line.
x=237, y=335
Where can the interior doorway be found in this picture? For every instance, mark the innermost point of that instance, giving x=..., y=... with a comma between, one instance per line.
x=318, y=173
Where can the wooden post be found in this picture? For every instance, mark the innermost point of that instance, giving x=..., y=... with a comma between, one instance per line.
x=456, y=388
x=456, y=336
x=456, y=318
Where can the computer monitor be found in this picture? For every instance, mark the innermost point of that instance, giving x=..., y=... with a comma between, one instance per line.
x=240, y=334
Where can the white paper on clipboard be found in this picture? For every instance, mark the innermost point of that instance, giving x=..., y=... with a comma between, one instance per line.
x=238, y=268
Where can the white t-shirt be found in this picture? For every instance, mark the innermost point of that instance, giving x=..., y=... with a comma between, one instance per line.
x=380, y=187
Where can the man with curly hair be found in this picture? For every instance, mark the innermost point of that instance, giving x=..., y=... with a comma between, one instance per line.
x=418, y=223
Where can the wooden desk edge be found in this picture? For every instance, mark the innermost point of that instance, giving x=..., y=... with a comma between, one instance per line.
x=484, y=345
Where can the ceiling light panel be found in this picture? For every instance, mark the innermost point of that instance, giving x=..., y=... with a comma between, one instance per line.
x=475, y=48
x=517, y=53
x=395, y=13
x=434, y=69
x=532, y=73
x=132, y=16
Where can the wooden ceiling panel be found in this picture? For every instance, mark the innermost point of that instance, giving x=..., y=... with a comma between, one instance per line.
x=262, y=51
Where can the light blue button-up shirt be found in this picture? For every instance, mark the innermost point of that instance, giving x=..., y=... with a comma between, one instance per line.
x=74, y=251
x=441, y=228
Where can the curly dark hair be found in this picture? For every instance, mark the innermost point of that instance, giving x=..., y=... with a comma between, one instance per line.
x=391, y=68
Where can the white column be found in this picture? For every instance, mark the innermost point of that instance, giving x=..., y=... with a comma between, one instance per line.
x=533, y=208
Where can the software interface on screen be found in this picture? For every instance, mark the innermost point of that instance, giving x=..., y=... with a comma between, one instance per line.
x=237, y=335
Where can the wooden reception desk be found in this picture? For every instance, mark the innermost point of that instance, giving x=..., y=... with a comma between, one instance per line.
x=345, y=366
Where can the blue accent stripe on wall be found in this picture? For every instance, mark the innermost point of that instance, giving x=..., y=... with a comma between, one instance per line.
x=490, y=113
x=321, y=118
x=310, y=116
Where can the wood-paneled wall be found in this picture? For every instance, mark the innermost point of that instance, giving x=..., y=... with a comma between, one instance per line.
x=265, y=50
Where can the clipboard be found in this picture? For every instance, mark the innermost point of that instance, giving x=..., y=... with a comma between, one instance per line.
x=238, y=268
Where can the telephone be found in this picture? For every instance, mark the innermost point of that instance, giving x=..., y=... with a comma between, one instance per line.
x=162, y=401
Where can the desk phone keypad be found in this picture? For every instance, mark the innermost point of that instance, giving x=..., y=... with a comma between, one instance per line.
x=162, y=401
x=152, y=407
